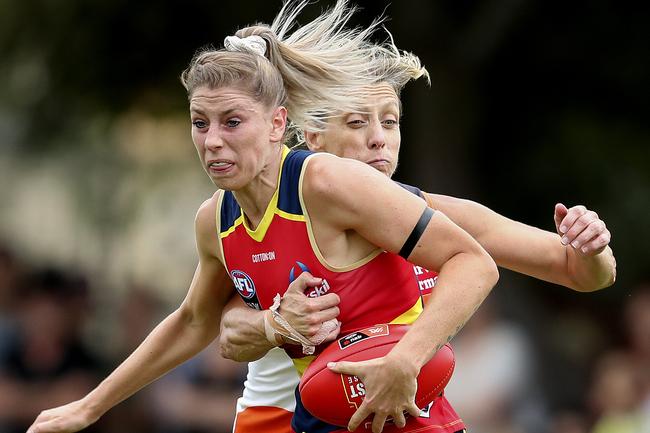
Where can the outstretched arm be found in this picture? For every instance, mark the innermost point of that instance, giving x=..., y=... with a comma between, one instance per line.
x=577, y=256
x=184, y=333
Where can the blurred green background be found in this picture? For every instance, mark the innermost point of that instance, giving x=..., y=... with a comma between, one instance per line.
x=531, y=103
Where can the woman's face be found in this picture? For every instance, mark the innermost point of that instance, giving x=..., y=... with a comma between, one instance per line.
x=372, y=137
x=235, y=135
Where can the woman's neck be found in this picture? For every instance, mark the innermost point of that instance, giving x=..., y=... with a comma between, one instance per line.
x=255, y=197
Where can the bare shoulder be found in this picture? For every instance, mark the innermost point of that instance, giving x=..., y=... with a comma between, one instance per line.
x=206, y=215
x=329, y=177
x=346, y=194
x=206, y=224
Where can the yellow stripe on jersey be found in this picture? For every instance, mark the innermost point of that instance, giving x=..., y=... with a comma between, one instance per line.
x=405, y=318
x=301, y=364
x=233, y=227
x=271, y=210
x=290, y=216
x=312, y=237
x=409, y=316
x=261, y=229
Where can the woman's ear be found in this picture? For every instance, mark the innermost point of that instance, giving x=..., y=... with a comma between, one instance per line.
x=279, y=123
x=314, y=141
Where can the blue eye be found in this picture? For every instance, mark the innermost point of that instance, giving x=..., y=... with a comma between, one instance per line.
x=232, y=123
x=200, y=124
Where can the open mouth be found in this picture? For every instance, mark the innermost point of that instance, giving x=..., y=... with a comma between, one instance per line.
x=220, y=166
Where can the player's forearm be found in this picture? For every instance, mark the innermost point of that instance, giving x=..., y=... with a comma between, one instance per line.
x=477, y=220
x=173, y=341
x=526, y=249
x=242, y=334
x=590, y=273
x=463, y=283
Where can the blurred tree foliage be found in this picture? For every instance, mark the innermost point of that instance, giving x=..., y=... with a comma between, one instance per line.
x=532, y=102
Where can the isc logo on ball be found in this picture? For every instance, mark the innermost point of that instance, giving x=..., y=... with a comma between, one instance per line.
x=355, y=390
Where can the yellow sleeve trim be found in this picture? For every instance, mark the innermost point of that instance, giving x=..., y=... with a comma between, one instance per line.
x=272, y=208
x=405, y=318
x=290, y=216
x=409, y=316
x=218, y=227
x=312, y=238
x=233, y=227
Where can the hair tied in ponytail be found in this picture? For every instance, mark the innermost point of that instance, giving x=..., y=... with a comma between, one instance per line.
x=253, y=44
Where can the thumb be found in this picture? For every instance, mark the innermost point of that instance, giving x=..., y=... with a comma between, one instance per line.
x=560, y=212
x=344, y=367
x=303, y=281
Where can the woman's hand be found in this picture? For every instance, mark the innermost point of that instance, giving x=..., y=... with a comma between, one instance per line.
x=390, y=385
x=69, y=418
x=582, y=229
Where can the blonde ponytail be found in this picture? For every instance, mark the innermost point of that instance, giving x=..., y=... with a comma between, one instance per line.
x=322, y=65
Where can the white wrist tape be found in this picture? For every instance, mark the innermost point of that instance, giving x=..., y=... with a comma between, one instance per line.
x=325, y=330
x=273, y=335
x=287, y=330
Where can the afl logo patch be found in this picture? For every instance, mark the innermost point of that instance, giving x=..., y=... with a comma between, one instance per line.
x=243, y=283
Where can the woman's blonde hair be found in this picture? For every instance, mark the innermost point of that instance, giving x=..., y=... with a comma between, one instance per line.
x=316, y=70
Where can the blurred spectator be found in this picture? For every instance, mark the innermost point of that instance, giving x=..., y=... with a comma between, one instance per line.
x=575, y=338
x=568, y=422
x=9, y=274
x=492, y=388
x=46, y=364
x=637, y=330
x=197, y=397
x=619, y=397
x=615, y=396
x=200, y=395
x=140, y=311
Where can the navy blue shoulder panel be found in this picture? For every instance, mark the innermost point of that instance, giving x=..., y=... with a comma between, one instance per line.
x=411, y=189
x=230, y=211
x=288, y=197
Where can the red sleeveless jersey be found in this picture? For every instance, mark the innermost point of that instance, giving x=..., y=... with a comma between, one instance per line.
x=381, y=288
x=262, y=262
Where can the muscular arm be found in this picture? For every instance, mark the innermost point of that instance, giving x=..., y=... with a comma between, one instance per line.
x=512, y=245
x=180, y=336
x=346, y=197
x=242, y=335
x=529, y=250
x=243, y=331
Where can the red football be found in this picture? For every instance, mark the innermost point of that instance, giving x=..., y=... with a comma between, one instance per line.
x=334, y=397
